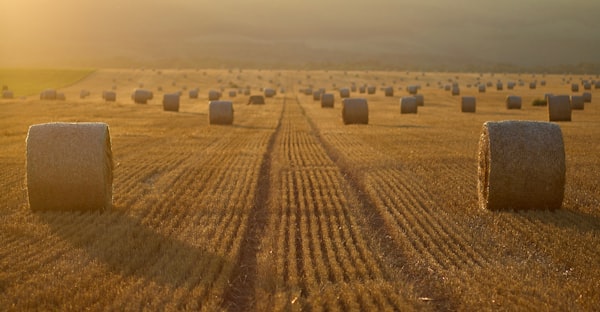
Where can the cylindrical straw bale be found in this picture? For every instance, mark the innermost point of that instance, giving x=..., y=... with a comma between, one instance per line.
x=270, y=92
x=597, y=85
x=344, y=93
x=317, y=95
x=7, y=94
x=577, y=102
x=420, y=99
x=468, y=104
x=109, y=96
x=371, y=89
x=574, y=87
x=83, y=94
x=500, y=86
x=256, y=99
x=408, y=105
x=232, y=93
x=532, y=85
x=513, y=102
x=587, y=85
x=171, y=102
x=69, y=166
x=455, y=90
x=412, y=89
x=587, y=97
x=327, y=100
x=193, y=93
x=48, y=94
x=355, y=111
x=362, y=89
x=388, y=91
x=141, y=96
x=521, y=165
x=481, y=88
x=220, y=112
x=559, y=108
x=214, y=95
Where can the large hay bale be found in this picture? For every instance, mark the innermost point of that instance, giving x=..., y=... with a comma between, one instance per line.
x=559, y=108
x=513, y=102
x=220, y=112
x=521, y=165
x=371, y=89
x=355, y=111
x=327, y=100
x=574, y=87
x=214, y=95
x=577, y=102
x=587, y=97
x=344, y=93
x=109, y=96
x=408, y=105
x=48, y=94
x=69, y=166
x=171, y=102
x=420, y=99
x=468, y=104
x=141, y=96
x=270, y=92
x=256, y=99
x=7, y=94
x=388, y=91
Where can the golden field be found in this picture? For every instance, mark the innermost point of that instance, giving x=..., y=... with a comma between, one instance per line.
x=290, y=209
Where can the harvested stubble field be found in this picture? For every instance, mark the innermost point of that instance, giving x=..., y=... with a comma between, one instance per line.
x=288, y=209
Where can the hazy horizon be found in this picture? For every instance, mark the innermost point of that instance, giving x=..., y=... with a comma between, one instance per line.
x=104, y=33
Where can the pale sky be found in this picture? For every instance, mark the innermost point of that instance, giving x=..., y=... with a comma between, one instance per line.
x=60, y=32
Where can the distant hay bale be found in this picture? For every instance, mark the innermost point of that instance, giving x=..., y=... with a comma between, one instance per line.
x=513, y=102
x=48, y=94
x=587, y=85
x=587, y=97
x=447, y=87
x=270, y=92
x=256, y=99
x=7, y=94
x=220, y=112
x=214, y=95
x=371, y=89
x=577, y=102
x=109, y=96
x=355, y=111
x=327, y=100
x=232, y=93
x=246, y=91
x=171, y=102
x=597, y=85
x=543, y=83
x=521, y=166
x=60, y=96
x=308, y=91
x=559, y=108
x=83, y=94
x=344, y=93
x=388, y=91
x=455, y=90
x=408, y=105
x=420, y=99
x=532, y=85
x=317, y=95
x=353, y=88
x=141, y=96
x=468, y=104
x=362, y=89
x=510, y=85
x=194, y=93
x=69, y=167
x=412, y=89
x=499, y=86
x=574, y=87
x=481, y=88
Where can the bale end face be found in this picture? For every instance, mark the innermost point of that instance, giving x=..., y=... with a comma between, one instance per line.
x=521, y=166
x=559, y=108
x=468, y=104
x=171, y=102
x=327, y=100
x=408, y=105
x=355, y=111
x=69, y=167
x=220, y=112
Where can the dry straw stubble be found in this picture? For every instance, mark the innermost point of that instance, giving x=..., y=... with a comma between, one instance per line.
x=521, y=165
x=69, y=166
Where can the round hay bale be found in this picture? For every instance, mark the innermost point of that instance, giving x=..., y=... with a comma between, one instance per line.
x=256, y=99
x=344, y=93
x=371, y=89
x=521, y=165
x=543, y=83
x=69, y=166
x=513, y=102
x=468, y=104
x=60, y=96
x=577, y=102
x=388, y=91
x=83, y=94
x=355, y=111
x=412, y=89
x=317, y=95
x=353, y=88
x=109, y=96
x=559, y=108
x=270, y=92
x=48, y=94
x=532, y=85
x=574, y=87
x=171, y=102
x=408, y=105
x=232, y=93
x=214, y=95
x=141, y=96
x=362, y=89
x=246, y=91
x=420, y=99
x=455, y=90
x=327, y=100
x=500, y=86
x=7, y=94
x=587, y=97
x=220, y=112
x=587, y=85
x=193, y=93
x=597, y=85
x=481, y=88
